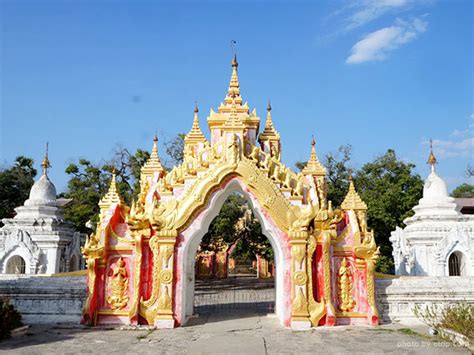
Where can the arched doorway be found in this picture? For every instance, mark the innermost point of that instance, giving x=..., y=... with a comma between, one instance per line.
x=192, y=237
x=16, y=265
x=234, y=265
x=455, y=264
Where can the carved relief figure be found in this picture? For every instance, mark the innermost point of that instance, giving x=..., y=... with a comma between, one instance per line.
x=345, y=287
x=118, y=297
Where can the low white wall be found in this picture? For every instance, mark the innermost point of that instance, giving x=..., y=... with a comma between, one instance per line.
x=44, y=299
x=396, y=298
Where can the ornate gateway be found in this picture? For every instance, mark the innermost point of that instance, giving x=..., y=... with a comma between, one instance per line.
x=141, y=259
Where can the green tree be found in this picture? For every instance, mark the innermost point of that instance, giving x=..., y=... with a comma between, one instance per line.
x=15, y=185
x=300, y=165
x=89, y=182
x=338, y=174
x=390, y=189
x=175, y=150
x=463, y=190
x=228, y=226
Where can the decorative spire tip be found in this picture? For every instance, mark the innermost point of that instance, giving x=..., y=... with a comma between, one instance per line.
x=45, y=164
x=269, y=107
x=196, y=109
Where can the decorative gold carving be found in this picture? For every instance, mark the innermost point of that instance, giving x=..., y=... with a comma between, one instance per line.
x=166, y=276
x=352, y=201
x=299, y=303
x=134, y=308
x=300, y=278
x=347, y=302
x=314, y=167
x=118, y=297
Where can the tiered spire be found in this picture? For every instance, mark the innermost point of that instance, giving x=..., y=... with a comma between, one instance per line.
x=153, y=164
x=269, y=133
x=45, y=164
x=314, y=167
x=111, y=197
x=431, y=158
x=233, y=94
x=352, y=201
x=195, y=134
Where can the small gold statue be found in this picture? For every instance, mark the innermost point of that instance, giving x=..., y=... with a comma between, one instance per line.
x=118, y=297
x=345, y=287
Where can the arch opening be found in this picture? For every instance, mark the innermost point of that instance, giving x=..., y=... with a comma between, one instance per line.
x=191, y=238
x=234, y=266
x=455, y=264
x=16, y=265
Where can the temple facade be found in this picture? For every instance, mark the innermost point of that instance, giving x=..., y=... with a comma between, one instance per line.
x=38, y=240
x=141, y=259
x=438, y=240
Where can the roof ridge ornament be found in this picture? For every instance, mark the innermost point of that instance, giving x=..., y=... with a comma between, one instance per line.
x=352, y=201
x=195, y=134
x=269, y=132
x=431, y=158
x=233, y=93
x=45, y=164
x=314, y=166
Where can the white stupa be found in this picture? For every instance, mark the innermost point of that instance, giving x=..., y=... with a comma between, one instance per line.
x=38, y=240
x=438, y=240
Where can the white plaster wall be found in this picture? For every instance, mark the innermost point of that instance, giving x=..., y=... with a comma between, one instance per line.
x=396, y=298
x=193, y=235
x=43, y=299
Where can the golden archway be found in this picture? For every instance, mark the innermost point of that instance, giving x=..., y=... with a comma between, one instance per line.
x=324, y=245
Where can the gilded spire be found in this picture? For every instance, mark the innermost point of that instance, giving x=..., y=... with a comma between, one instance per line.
x=233, y=93
x=195, y=134
x=269, y=133
x=153, y=164
x=111, y=197
x=352, y=201
x=431, y=158
x=314, y=167
x=45, y=164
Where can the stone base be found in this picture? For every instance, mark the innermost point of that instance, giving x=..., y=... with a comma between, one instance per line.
x=164, y=323
x=300, y=325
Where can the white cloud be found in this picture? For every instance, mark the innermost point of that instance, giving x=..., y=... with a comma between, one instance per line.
x=376, y=45
x=468, y=132
x=461, y=144
x=369, y=10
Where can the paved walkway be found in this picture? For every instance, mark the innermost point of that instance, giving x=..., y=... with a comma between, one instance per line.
x=233, y=324
x=220, y=334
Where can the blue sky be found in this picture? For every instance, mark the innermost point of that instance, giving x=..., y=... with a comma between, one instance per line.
x=87, y=75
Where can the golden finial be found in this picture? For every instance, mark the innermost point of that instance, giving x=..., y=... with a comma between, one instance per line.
x=153, y=164
x=314, y=167
x=111, y=197
x=269, y=133
x=195, y=134
x=113, y=185
x=234, y=86
x=431, y=158
x=234, y=55
x=45, y=164
x=352, y=201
